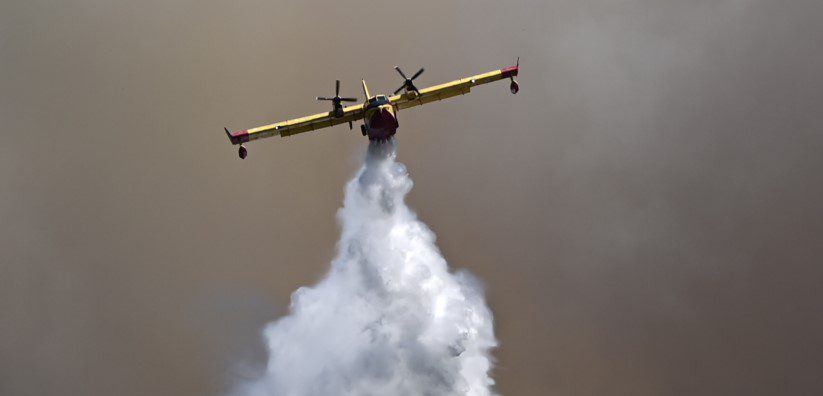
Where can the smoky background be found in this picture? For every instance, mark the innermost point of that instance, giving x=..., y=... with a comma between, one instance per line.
x=645, y=213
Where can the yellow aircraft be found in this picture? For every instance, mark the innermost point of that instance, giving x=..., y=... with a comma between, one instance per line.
x=379, y=112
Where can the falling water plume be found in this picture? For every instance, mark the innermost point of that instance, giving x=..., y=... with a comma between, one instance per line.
x=389, y=318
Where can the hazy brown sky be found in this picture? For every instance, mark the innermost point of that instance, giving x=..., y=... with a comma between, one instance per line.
x=646, y=213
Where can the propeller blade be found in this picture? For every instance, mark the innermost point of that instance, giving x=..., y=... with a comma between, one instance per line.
x=337, y=88
x=419, y=72
x=348, y=99
x=399, y=89
x=401, y=72
x=324, y=98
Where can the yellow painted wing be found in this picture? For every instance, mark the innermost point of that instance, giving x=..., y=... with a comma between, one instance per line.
x=447, y=90
x=298, y=125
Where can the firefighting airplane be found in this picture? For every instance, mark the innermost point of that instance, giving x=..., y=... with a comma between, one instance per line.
x=379, y=112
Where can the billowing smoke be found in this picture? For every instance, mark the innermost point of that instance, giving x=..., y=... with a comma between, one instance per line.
x=389, y=318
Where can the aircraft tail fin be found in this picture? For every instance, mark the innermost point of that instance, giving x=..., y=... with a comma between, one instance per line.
x=366, y=90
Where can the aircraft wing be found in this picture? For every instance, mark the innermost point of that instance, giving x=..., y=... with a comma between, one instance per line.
x=297, y=125
x=454, y=88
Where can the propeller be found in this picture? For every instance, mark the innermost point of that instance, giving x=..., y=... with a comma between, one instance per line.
x=338, y=108
x=408, y=84
x=337, y=98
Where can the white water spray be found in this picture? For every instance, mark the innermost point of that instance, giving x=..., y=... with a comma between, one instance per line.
x=389, y=318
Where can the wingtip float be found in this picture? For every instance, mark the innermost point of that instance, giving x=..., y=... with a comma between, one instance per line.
x=378, y=112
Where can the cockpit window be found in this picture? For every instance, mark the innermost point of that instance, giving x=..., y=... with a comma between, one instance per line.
x=378, y=100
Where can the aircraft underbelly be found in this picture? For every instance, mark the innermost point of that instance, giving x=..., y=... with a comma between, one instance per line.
x=382, y=123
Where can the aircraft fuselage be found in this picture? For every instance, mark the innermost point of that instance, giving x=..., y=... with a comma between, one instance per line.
x=380, y=118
